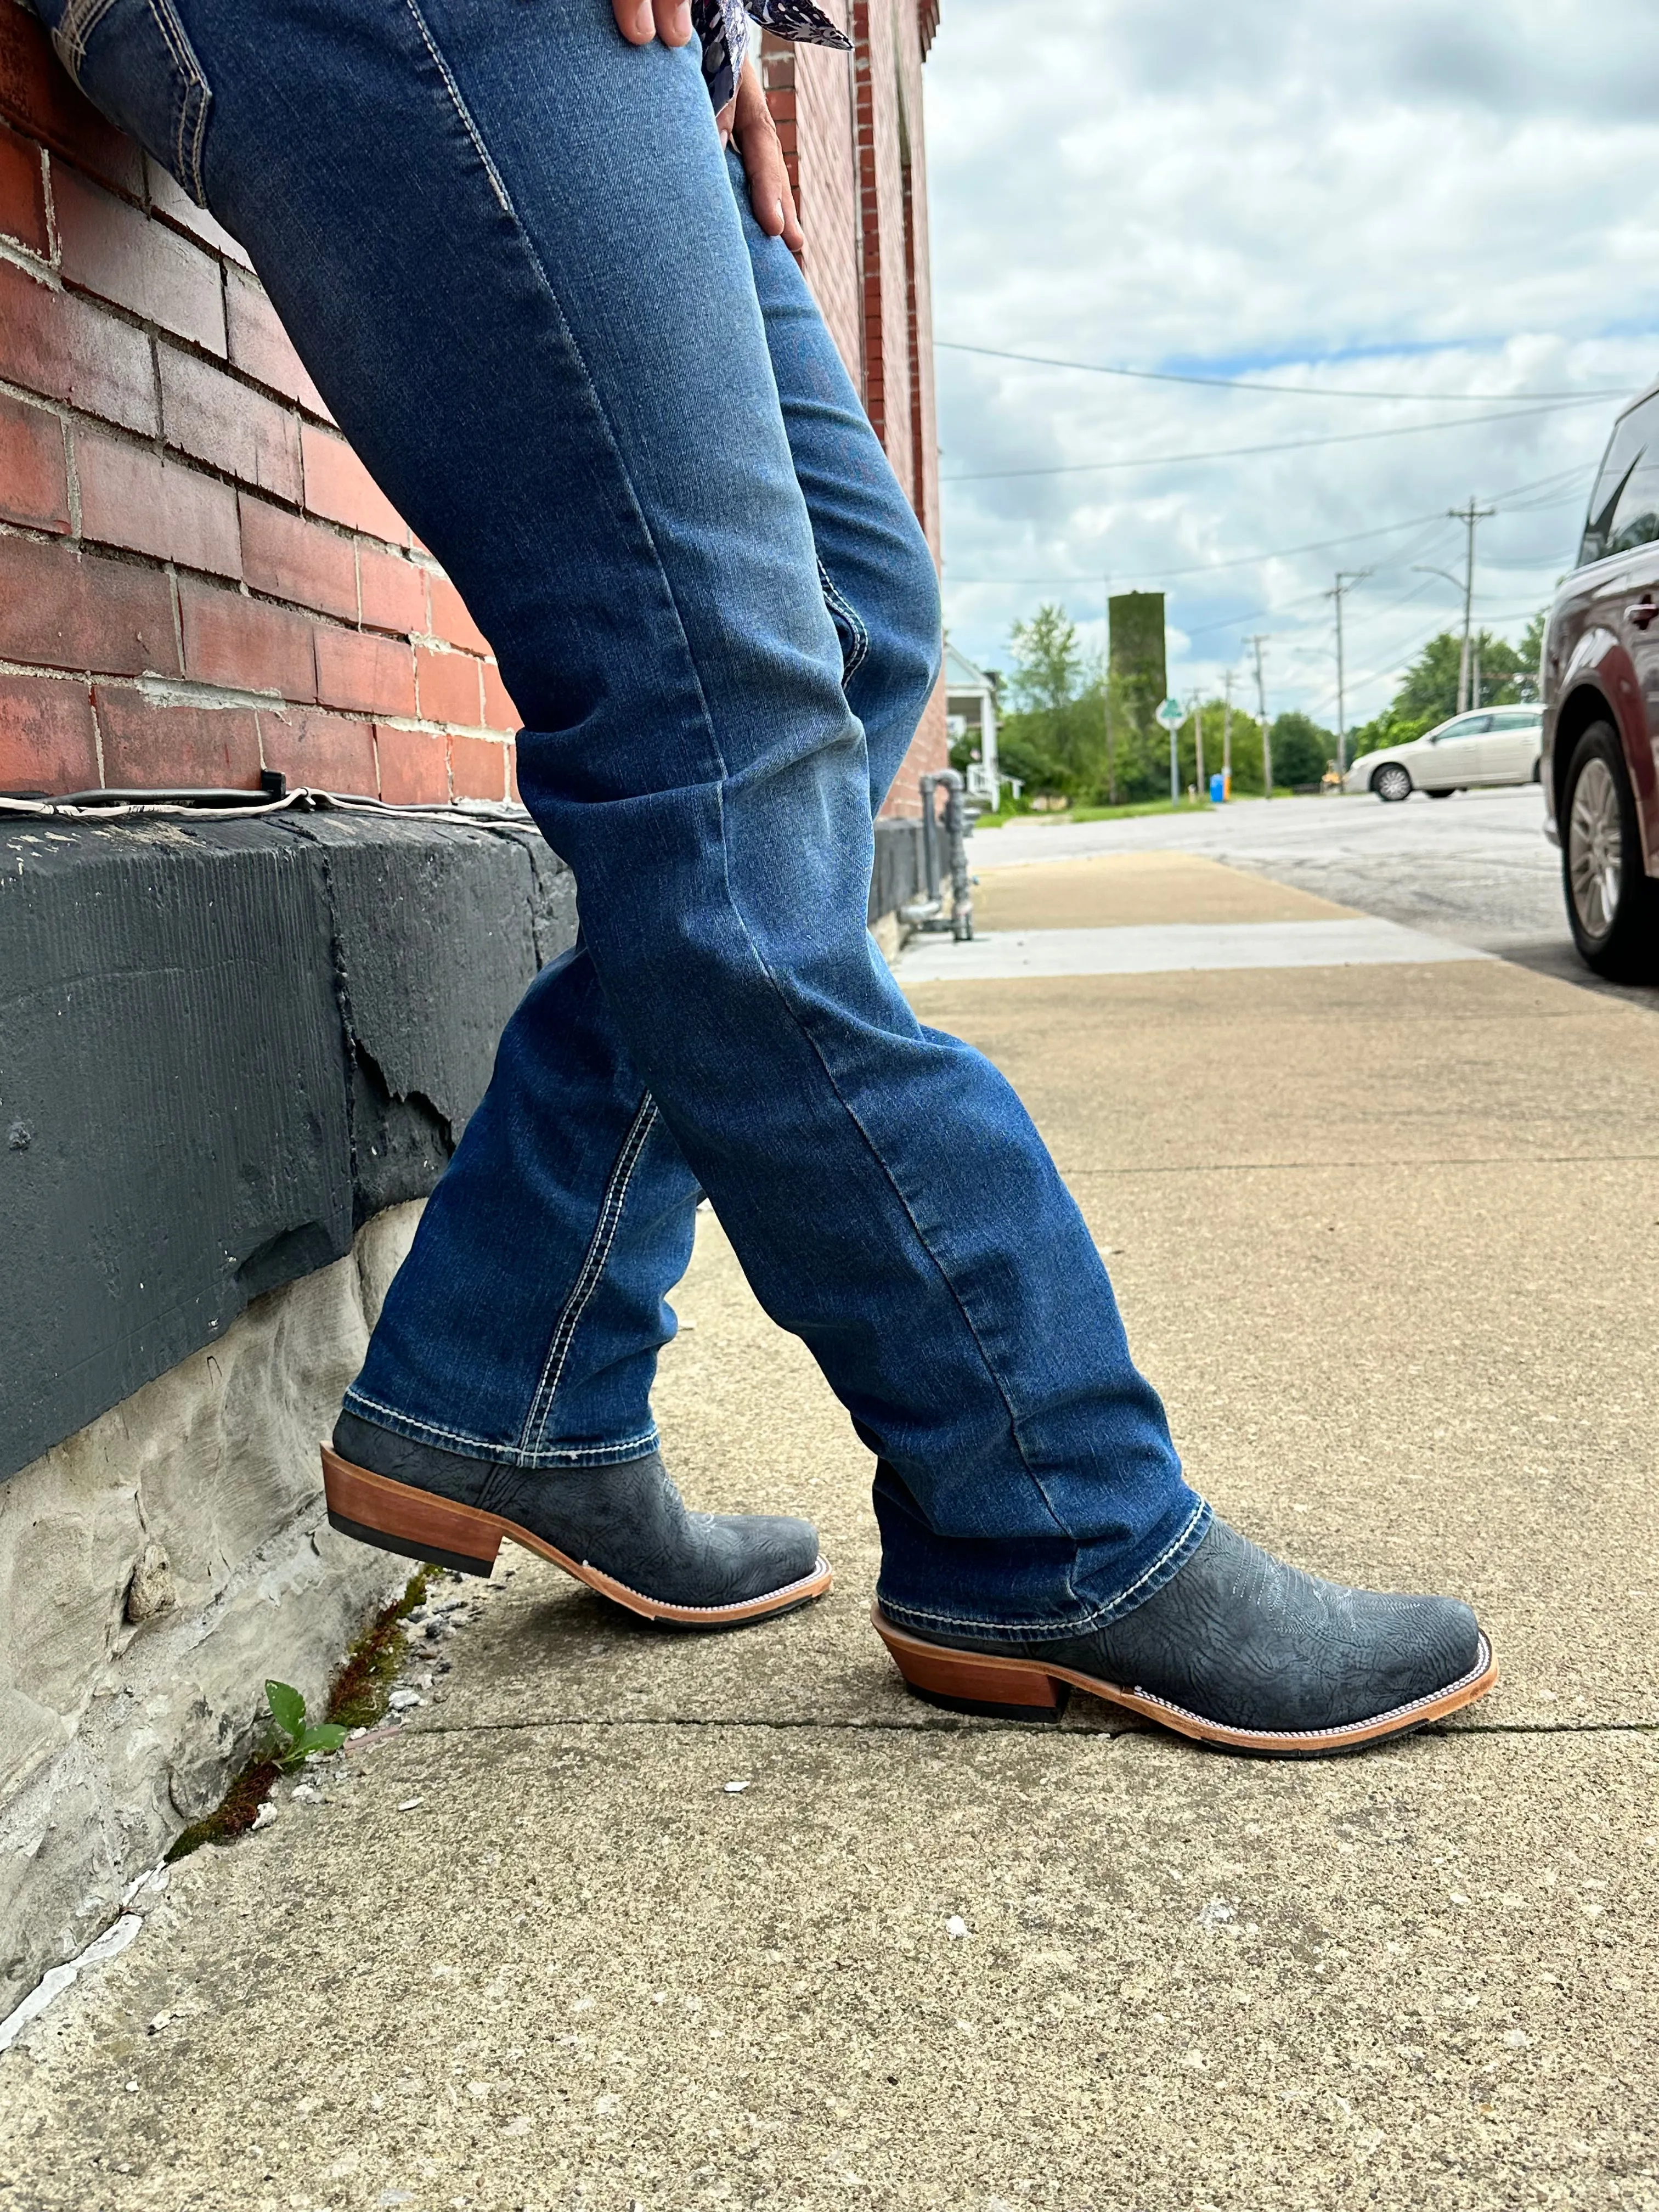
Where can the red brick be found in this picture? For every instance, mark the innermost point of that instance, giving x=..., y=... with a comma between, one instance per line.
x=394, y=592
x=339, y=488
x=22, y=193
x=212, y=417
x=293, y=559
x=112, y=249
x=324, y=751
x=477, y=767
x=374, y=674
x=174, y=204
x=414, y=766
x=244, y=644
x=65, y=609
x=47, y=742
x=262, y=348
x=149, y=747
x=37, y=95
x=52, y=342
x=450, y=619
x=131, y=498
x=499, y=713
x=33, y=480
x=448, y=687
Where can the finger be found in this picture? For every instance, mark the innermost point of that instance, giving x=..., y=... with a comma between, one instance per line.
x=768, y=184
x=640, y=21
x=636, y=20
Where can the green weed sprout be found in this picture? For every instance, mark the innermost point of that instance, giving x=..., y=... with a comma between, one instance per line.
x=288, y=1709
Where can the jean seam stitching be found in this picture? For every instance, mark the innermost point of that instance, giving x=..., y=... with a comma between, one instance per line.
x=472, y=129
x=194, y=89
x=75, y=26
x=1103, y=1614
x=590, y=1272
x=481, y=1447
x=577, y=357
x=840, y=604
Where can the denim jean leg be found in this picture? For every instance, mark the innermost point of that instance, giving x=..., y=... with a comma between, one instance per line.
x=568, y=1215
x=506, y=247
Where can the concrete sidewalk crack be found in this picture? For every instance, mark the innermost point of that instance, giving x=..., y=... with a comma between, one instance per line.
x=966, y=1724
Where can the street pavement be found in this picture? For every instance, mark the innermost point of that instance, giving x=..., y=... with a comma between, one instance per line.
x=1475, y=868
x=619, y=1919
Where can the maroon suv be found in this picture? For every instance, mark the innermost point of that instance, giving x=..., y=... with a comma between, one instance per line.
x=1601, y=689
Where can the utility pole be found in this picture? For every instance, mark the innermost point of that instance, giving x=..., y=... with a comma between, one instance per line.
x=1468, y=516
x=1256, y=643
x=1346, y=581
x=1106, y=689
x=1198, y=740
x=1227, y=735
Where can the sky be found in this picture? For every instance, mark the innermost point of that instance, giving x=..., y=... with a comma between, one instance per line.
x=1454, y=206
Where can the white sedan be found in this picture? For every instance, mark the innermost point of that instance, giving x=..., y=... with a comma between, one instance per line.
x=1501, y=745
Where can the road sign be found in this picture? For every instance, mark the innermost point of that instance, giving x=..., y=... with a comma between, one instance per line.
x=1172, y=714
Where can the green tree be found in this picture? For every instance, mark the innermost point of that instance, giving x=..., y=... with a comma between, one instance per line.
x=1053, y=737
x=1302, y=750
x=1047, y=662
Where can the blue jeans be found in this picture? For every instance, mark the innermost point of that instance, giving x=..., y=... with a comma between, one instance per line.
x=513, y=256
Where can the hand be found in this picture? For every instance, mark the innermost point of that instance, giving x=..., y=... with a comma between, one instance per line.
x=641, y=20
x=747, y=122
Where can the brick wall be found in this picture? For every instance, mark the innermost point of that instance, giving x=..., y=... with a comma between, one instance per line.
x=198, y=579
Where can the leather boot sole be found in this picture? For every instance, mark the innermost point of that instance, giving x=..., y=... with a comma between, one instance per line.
x=1035, y=1690
x=418, y=1524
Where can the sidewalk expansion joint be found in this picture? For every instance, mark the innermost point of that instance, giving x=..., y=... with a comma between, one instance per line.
x=1521, y=1159
x=966, y=1724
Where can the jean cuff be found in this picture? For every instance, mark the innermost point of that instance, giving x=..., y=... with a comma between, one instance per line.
x=1151, y=1579
x=550, y=1456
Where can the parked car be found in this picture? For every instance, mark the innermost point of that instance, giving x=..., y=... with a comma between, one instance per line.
x=1600, y=686
x=1501, y=745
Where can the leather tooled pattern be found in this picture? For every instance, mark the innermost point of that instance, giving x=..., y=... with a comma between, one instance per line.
x=1243, y=1639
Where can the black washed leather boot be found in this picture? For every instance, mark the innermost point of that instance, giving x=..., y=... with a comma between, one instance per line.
x=1236, y=1650
x=622, y=1529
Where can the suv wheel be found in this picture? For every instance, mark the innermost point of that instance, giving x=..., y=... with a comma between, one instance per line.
x=1392, y=783
x=1611, y=905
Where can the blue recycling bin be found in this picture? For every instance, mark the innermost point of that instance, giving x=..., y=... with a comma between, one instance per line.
x=1218, y=789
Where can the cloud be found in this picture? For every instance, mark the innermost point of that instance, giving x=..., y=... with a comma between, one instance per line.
x=1430, y=200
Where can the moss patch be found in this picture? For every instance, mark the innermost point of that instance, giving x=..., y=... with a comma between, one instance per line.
x=357, y=1699
x=363, y=1685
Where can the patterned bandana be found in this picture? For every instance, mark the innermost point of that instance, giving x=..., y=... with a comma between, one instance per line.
x=723, y=27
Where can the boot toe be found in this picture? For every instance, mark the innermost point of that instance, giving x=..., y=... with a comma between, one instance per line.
x=766, y=1551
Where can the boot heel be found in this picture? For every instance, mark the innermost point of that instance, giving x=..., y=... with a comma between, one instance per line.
x=964, y=1682
x=416, y=1524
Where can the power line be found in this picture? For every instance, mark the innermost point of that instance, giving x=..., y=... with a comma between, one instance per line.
x=1279, y=445
x=1250, y=384
x=1279, y=552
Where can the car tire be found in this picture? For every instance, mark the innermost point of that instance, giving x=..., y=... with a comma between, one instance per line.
x=1446, y=793
x=1392, y=783
x=1613, y=906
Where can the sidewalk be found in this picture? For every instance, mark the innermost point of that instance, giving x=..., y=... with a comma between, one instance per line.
x=1384, y=1235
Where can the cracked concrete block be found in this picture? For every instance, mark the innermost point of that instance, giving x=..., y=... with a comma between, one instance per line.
x=155, y=1569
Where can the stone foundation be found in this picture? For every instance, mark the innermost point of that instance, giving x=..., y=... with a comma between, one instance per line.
x=155, y=1569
